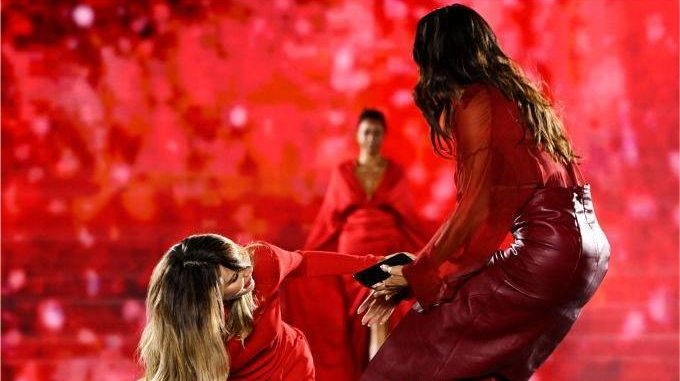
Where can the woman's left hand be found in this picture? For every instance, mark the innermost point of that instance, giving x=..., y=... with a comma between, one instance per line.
x=376, y=310
x=393, y=285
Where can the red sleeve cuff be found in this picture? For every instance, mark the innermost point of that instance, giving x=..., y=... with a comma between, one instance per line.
x=424, y=282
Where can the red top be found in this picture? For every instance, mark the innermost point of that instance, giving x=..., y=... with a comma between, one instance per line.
x=272, y=340
x=349, y=221
x=498, y=171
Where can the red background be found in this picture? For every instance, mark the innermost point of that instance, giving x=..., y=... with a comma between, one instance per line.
x=125, y=131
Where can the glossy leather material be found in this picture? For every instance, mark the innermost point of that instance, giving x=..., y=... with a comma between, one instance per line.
x=505, y=320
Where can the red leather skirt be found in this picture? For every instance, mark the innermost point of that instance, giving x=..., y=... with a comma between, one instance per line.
x=505, y=320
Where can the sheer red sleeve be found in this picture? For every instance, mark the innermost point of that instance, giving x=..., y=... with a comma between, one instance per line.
x=483, y=216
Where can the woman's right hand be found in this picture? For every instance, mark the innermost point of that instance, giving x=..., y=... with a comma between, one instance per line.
x=378, y=310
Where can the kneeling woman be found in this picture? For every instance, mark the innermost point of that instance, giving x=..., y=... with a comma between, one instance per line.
x=214, y=312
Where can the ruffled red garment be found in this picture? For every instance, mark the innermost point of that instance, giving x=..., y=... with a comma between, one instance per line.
x=351, y=222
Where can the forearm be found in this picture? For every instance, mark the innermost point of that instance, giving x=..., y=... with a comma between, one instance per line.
x=441, y=266
x=431, y=282
x=323, y=263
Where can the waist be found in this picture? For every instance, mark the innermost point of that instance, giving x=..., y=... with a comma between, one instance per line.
x=555, y=204
x=370, y=216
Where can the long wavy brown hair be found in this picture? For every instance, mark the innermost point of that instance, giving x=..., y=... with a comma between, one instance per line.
x=455, y=47
x=184, y=339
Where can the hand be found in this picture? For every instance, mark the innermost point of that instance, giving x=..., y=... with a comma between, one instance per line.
x=392, y=286
x=377, y=309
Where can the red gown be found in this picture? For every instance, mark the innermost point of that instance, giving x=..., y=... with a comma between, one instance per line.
x=482, y=312
x=276, y=351
x=351, y=222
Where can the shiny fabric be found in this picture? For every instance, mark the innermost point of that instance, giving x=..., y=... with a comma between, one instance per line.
x=350, y=222
x=507, y=318
x=276, y=351
x=488, y=313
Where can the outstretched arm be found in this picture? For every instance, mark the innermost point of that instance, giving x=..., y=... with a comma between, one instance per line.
x=323, y=263
x=273, y=264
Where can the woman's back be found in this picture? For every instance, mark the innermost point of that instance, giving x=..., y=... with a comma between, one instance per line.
x=514, y=158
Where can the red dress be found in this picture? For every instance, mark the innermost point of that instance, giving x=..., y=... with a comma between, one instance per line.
x=486, y=313
x=276, y=351
x=351, y=222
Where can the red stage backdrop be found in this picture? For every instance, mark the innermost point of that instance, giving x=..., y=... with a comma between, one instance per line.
x=127, y=125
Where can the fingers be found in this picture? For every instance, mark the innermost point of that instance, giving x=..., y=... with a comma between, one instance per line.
x=367, y=317
x=386, y=315
x=372, y=308
x=370, y=315
x=377, y=310
x=364, y=305
x=380, y=315
x=373, y=316
x=368, y=301
x=389, y=288
x=381, y=287
x=387, y=292
x=393, y=270
x=394, y=281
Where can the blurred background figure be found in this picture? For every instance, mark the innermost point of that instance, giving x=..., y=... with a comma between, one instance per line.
x=367, y=209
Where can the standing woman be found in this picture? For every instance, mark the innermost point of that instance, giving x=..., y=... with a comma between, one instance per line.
x=486, y=313
x=214, y=311
x=367, y=209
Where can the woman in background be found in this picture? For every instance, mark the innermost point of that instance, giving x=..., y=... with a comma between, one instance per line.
x=214, y=311
x=367, y=209
x=486, y=313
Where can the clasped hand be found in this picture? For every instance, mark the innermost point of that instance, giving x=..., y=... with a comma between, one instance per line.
x=380, y=303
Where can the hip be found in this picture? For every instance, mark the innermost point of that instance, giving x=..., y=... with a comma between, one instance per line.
x=559, y=249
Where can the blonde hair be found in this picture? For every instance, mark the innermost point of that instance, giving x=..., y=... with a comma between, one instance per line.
x=184, y=339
